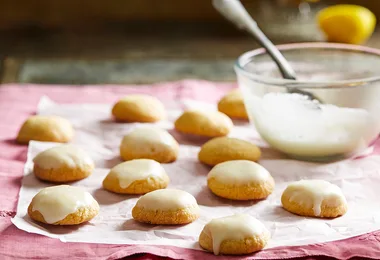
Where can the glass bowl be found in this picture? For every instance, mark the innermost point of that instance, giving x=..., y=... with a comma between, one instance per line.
x=345, y=78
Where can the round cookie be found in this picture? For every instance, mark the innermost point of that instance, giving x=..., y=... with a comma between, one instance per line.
x=166, y=207
x=149, y=143
x=63, y=205
x=240, y=180
x=238, y=234
x=204, y=123
x=63, y=163
x=45, y=129
x=232, y=104
x=224, y=149
x=138, y=176
x=138, y=108
x=314, y=198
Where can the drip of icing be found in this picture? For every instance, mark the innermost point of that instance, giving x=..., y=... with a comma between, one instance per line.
x=57, y=202
x=63, y=155
x=167, y=199
x=311, y=193
x=235, y=227
x=135, y=170
x=149, y=135
x=239, y=172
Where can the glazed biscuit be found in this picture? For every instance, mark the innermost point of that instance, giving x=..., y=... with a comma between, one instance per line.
x=64, y=163
x=138, y=108
x=149, y=143
x=45, y=129
x=138, y=176
x=166, y=207
x=63, y=205
x=234, y=235
x=224, y=149
x=202, y=123
x=314, y=198
x=240, y=180
x=232, y=104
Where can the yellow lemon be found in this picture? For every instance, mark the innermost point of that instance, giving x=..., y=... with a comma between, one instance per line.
x=347, y=23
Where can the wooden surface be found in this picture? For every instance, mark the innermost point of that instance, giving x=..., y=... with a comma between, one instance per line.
x=124, y=58
x=123, y=55
x=85, y=14
x=128, y=52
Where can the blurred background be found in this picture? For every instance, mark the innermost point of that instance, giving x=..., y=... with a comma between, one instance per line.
x=142, y=41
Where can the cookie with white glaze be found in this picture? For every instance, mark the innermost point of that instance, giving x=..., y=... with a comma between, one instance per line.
x=63, y=205
x=149, y=143
x=63, y=163
x=138, y=176
x=314, y=198
x=240, y=180
x=238, y=234
x=166, y=207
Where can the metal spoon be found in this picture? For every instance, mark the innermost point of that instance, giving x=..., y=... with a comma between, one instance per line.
x=234, y=11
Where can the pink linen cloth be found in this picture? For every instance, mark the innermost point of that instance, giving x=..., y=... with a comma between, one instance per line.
x=17, y=102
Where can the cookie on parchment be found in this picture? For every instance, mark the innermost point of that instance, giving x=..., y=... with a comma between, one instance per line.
x=63, y=205
x=238, y=234
x=138, y=176
x=314, y=198
x=204, y=123
x=149, y=143
x=224, y=149
x=139, y=108
x=232, y=104
x=166, y=207
x=45, y=129
x=240, y=180
x=63, y=163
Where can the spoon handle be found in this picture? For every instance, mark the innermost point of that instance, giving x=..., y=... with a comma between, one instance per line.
x=234, y=11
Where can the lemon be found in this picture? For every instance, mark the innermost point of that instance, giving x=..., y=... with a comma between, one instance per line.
x=347, y=23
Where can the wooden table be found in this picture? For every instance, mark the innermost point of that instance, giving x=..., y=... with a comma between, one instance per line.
x=138, y=53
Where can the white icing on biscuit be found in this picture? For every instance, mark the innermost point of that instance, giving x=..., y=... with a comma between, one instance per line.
x=311, y=193
x=140, y=169
x=239, y=172
x=147, y=135
x=167, y=199
x=57, y=202
x=63, y=155
x=235, y=227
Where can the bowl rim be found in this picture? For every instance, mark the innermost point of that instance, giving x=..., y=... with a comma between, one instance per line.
x=244, y=58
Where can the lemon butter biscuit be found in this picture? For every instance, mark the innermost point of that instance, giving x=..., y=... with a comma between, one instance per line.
x=166, y=207
x=204, y=123
x=138, y=176
x=232, y=104
x=240, y=180
x=314, y=198
x=149, y=143
x=63, y=205
x=224, y=149
x=63, y=163
x=45, y=129
x=238, y=234
x=139, y=108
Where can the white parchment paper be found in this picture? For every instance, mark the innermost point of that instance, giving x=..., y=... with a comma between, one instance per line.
x=100, y=137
